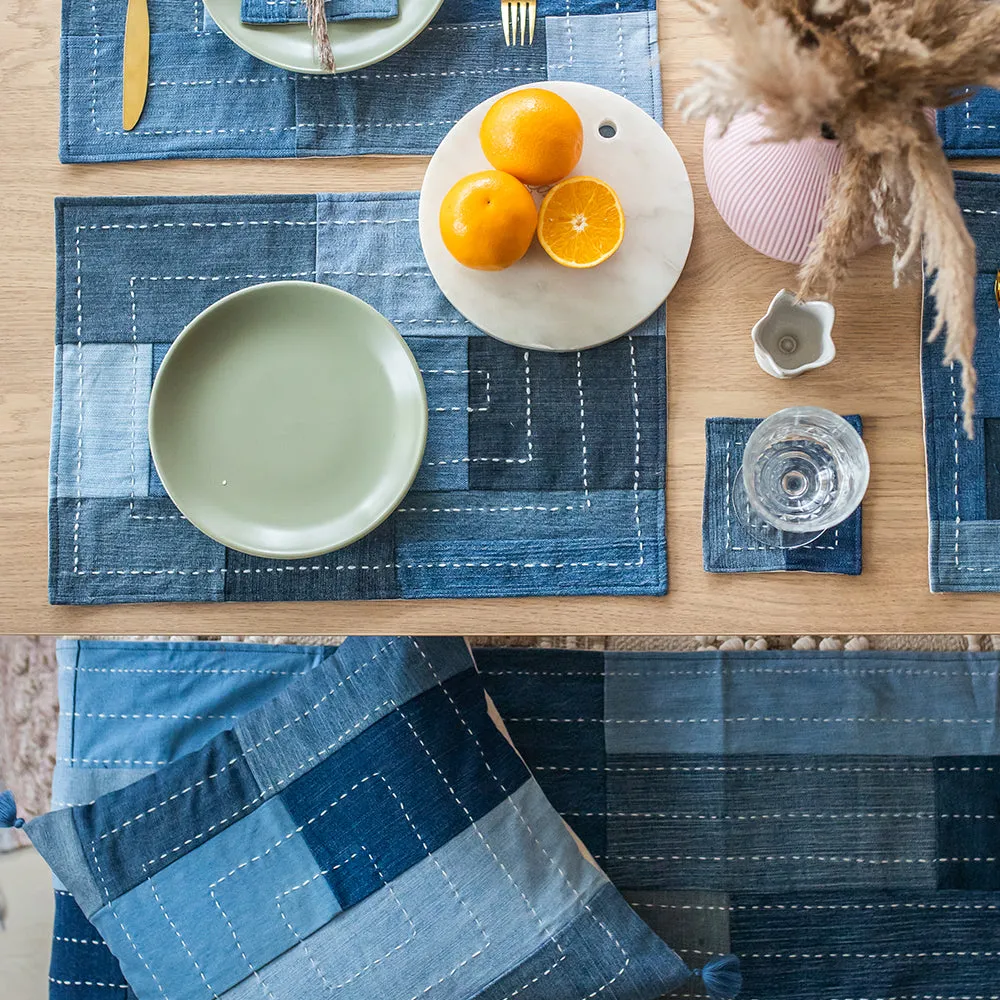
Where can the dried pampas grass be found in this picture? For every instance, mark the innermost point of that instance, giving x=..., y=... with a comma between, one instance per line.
x=866, y=70
x=316, y=9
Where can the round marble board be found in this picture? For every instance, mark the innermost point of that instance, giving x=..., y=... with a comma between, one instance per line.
x=538, y=304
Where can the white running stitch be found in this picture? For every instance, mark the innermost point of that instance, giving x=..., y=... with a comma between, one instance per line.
x=635, y=478
x=827, y=858
x=180, y=937
x=87, y=982
x=281, y=781
x=768, y=768
x=377, y=961
x=819, y=906
x=968, y=120
x=795, y=720
x=583, y=428
x=743, y=668
x=496, y=779
x=211, y=777
x=72, y=940
x=114, y=914
x=139, y=715
x=768, y=817
x=222, y=571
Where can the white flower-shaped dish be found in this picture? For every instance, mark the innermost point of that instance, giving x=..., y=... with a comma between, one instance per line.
x=794, y=337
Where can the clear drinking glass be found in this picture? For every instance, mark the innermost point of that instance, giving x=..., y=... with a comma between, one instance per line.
x=805, y=470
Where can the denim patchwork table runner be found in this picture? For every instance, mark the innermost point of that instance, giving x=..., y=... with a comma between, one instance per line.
x=963, y=476
x=829, y=817
x=543, y=472
x=208, y=98
x=972, y=127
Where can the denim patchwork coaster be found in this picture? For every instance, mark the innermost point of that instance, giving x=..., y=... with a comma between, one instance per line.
x=963, y=476
x=728, y=548
x=285, y=11
x=543, y=472
x=209, y=98
x=972, y=127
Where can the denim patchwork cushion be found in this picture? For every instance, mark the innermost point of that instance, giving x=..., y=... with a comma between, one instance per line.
x=543, y=472
x=209, y=98
x=370, y=833
x=285, y=11
x=726, y=545
x=972, y=127
x=963, y=475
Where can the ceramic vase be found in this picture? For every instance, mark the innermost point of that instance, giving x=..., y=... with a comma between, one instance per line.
x=770, y=194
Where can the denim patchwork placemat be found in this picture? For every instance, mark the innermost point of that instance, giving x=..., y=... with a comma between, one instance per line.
x=829, y=817
x=963, y=476
x=285, y=11
x=543, y=472
x=208, y=98
x=726, y=545
x=972, y=127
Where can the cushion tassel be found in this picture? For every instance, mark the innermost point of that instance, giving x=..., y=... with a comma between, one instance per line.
x=8, y=812
x=721, y=977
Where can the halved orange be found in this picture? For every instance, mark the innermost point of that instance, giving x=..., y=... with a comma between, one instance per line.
x=581, y=222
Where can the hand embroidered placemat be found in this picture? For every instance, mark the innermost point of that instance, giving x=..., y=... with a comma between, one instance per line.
x=972, y=127
x=828, y=817
x=727, y=547
x=208, y=98
x=543, y=472
x=963, y=476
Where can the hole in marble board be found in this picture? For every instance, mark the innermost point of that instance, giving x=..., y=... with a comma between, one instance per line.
x=607, y=129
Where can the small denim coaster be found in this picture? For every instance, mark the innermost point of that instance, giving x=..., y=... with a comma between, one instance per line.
x=287, y=11
x=726, y=546
x=972, y=127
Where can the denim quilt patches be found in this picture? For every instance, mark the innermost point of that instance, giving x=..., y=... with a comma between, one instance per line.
x=368, y=831
x=963, y=476
x=829, y=817
x=543, y=473
x=972, y=127
x=209, y=98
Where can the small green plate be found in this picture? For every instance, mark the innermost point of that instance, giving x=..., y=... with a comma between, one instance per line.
x=356, y=44
x=288, y=420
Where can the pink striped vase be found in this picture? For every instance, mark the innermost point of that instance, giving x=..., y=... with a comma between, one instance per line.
x=771, y=195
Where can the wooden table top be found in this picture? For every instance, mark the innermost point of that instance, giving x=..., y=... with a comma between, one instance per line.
x=725, y=288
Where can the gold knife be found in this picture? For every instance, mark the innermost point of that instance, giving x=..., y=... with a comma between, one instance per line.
x=135, y=69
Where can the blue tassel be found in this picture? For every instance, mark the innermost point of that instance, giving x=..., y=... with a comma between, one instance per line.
x=721, y=977
x=8, y=811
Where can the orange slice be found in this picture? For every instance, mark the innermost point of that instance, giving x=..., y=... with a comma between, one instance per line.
x=581, y=222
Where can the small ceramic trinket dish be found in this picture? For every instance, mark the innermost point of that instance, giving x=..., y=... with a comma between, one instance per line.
x=794, y=337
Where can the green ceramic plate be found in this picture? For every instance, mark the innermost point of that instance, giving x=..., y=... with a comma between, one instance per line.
x=288, y=419
x=356, y=44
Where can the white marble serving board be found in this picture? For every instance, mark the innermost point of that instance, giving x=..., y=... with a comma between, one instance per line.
x=538, y=304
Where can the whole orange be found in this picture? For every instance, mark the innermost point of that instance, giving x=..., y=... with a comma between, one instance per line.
x=488, y=220
x=534, y=134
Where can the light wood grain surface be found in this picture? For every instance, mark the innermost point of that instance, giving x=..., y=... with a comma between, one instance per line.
x=723, y=290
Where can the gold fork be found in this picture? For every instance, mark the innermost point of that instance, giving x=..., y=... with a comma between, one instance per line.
x=514, y=13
